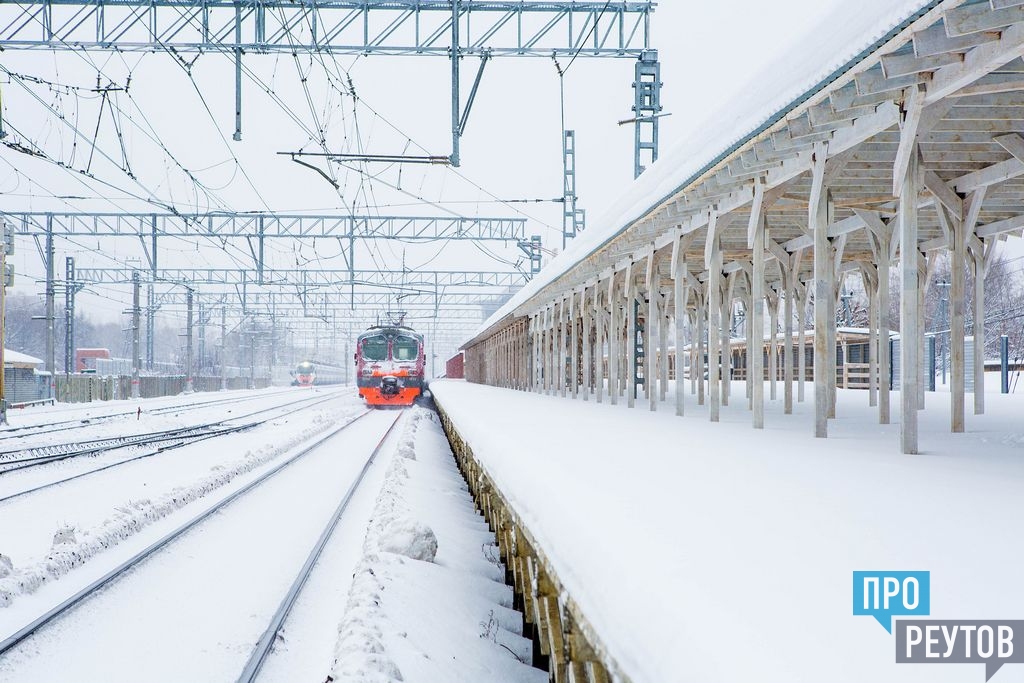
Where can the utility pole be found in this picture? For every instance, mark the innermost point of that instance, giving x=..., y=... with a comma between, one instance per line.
x=456, y=116
x=223, y=348
x=70, y=287
x=7, y=275
x=51, y=360
x=202, y=340
x=150, y=325
x=136, y=314
x=188, y=342
x=252, y=355
x=271, y=352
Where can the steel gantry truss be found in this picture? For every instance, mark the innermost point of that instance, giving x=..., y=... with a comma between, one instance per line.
x=428, y=301
x=448, y=28
x=269, y=225
x=396, y=280
x=392, y=27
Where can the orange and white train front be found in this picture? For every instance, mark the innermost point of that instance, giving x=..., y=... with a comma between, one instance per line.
x=389, y=366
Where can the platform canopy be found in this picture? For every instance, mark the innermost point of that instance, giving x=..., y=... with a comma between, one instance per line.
x=954, y=67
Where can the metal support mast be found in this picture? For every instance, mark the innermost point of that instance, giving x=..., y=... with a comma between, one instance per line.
x=150, y=325
x=223, y=349
x=70, y=288
x=136, y=315
x=456, y=115
x=573, y=219
x=190, y=296
x=646, y=109
x=51, y=360
x=6, y=280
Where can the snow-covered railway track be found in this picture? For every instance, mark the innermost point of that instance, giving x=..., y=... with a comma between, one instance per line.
x=24, y=431
x=161, y=441
x=165, y=589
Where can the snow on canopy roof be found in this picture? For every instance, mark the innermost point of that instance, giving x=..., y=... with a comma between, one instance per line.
x=847, y=34
x=11, y=356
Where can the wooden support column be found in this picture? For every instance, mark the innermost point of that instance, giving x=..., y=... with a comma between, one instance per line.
x=545, y=371
x=698, y=306
x=910, y=332
x=587, y=340
x=801, y=340
x=680, y=293
x=649, y=328
x=882, y=307
x=663, y=348
x=560, y=339
x=713, y=261
x=700, y=348
x=598, y=345
x=748, y=332
x=533, y=353
x=773, y=343
x=613, y=342
x=651, y=349
x=818, y=222
x=538, y=352
x=726, y=332
x=631, y=294
x=755, y=347
x=980, y=270
x=787, y=345
x=574, y=344
x=922, y=378
x=957, y=299
x=871, y=288
x=835, y=284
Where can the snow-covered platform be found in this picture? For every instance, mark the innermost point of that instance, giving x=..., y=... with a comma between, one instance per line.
x=713, y=552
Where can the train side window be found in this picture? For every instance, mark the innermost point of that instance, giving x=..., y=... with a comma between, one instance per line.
x=375, y=348
x=405, y=348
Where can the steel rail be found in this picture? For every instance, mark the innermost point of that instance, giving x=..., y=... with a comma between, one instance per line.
x=114, y=443
x=266, y=642
x=157, y=451
x=7, y=433
x=50, y=615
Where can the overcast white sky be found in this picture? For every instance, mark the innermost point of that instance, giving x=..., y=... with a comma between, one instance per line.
x=511, y=150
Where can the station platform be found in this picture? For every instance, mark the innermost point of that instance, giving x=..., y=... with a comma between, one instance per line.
x=706, y=552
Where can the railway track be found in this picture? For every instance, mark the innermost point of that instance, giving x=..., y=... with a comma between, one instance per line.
x=265, y=643
x=163, y=441
x=23, y=431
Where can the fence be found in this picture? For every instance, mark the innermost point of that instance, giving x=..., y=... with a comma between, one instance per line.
x=86, y=388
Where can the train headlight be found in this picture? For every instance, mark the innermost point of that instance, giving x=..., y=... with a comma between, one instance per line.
x=367, y=372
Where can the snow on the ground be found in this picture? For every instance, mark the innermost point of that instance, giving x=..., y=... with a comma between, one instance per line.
x=54, y=532
x=428, y=600
x=195, y=609
x=716, y=552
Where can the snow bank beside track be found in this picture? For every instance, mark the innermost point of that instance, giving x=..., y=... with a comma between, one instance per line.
x=427, y=601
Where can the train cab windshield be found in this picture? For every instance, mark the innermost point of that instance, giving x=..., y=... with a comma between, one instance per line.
x=405, y=348
x=375, y=348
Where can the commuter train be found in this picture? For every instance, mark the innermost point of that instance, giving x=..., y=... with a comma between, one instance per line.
x=305, y=375
x=308, y=374
x=389, y=365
